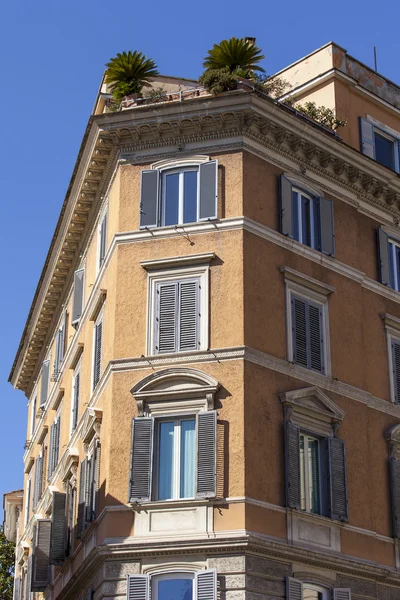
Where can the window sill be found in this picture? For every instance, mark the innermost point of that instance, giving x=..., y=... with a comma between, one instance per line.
x=154, y=504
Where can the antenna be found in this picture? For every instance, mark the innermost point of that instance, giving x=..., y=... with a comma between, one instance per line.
x=375, y=61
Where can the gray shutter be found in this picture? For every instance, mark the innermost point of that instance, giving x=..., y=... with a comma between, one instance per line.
x=292, y=465
x=141, y=459
x=342, y=594
x=57, y=352
x=51, y=451
x=395, y=489
x=97, y=353
x=166, y=317
x=337, y=479
x=208, y=176
x=103, y=240
x=96, y=479
x=383, y=257
x=82, y=497
x=89, y=489
x=58, y=529
x=17, y=588
x=315, y=335
x=41, y=552
x=138, y=587
x=56, y=448
x=77, y=302
x=285, y=206
x=75, y=405
x=367, y=138
x=149, y=196
x=45, y=382
x=38, y=481
x=28, y=580
x=206, y=454
x=396, y=370
x=28, y=500
x=299, y=331
x=327, y=234
x=206, y=585
x=294, y=589
x=189, y=315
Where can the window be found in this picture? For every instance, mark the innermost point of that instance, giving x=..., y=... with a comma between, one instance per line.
x=306, y=216
x=54, y=450
x=45, y=380
x=97, y=350
x=315, y=461
x=39, y=476
x=77, y=300
x=299, y=590
x=33, y=415
x=177, y=586
x=88, y=487
x=102, y=240
x=380, y=143
x=76, y=382
x=163, y=458
x=176, y=447
x=60, y=346
x=28, y=499
x=175, y=194
x=308, y=333
x=314, y=592
x=178, y=309
x=389, y=258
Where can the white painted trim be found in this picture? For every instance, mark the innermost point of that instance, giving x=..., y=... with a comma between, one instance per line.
x=184, y=161
x=321, y=288
x=178, y=261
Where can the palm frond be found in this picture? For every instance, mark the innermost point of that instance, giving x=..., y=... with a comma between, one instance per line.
x=235, y=54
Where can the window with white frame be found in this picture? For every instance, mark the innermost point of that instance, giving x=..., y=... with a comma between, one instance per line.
x=310, y=473
x=179, y=192
x=102, y=240
x=89, y=486
x=76, y=385
x=97, y=349
x=389, y=257
x=380, y=142
x=297, y=589
x=392, y=327
x=178, y=310
x=177, y=585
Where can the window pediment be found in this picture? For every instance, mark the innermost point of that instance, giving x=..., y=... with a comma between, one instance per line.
x=312, y=409
x=91, y=424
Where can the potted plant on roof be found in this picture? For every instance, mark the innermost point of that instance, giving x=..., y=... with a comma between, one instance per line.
x=127, y=74
x=229, y=62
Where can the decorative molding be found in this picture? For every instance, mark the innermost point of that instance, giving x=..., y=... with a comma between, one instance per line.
x=305, y=281
x=98, y=303
x=76, y=356
x=178, y=261
x=312, y=409
x=69, y=464
x=392, y=323
x=91, y=425
x=177, y=162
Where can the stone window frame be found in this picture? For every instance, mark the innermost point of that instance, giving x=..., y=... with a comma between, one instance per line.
x=392, y=328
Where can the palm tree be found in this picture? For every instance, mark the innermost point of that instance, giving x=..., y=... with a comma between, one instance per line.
x=235, y=54
x=128, y=72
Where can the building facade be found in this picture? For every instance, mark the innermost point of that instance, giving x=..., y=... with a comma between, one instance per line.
x=212, y=356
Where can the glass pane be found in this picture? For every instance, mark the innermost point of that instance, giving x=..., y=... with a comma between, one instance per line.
x=384, y=151
x=175, y=589
x=305, y=220
x=313, y=475
x=295, y=216
x=190, y=197
x=171, y=209
x=166, y=460
x=302, y=475
x=188, y=439
x=312, y=594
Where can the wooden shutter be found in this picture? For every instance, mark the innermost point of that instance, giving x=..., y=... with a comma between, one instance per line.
x=102, y=240
x=189, y=315
x=294, y=589
x=166, y=317
x=75, y=404
x=97, y=353
x=367, y=138
x=337, y=479
x=28, y=576
x=383, y=257
x=138, y=587
x=82, y=497
x=45, y=382
x=307, y=332
x=326, y=226
x=292, y=465
x=285, y=206
x=58, y=529
x=41, y=552
x=395, y=489
x=206, y=585
x=141, y=459
x=206, y=454
x=77, y=302
x=208, y=183
x=149, y=197
x=342, y=594
x=396, y=370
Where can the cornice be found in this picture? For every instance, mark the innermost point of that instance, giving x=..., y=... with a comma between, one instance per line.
x=238, y=119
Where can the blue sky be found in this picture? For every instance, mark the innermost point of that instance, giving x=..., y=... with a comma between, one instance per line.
x=52, y=59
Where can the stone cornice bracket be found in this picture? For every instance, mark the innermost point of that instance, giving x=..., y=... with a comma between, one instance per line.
x=309, y=150
x=91, y=425
x=324, y=158
x=174, y=385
